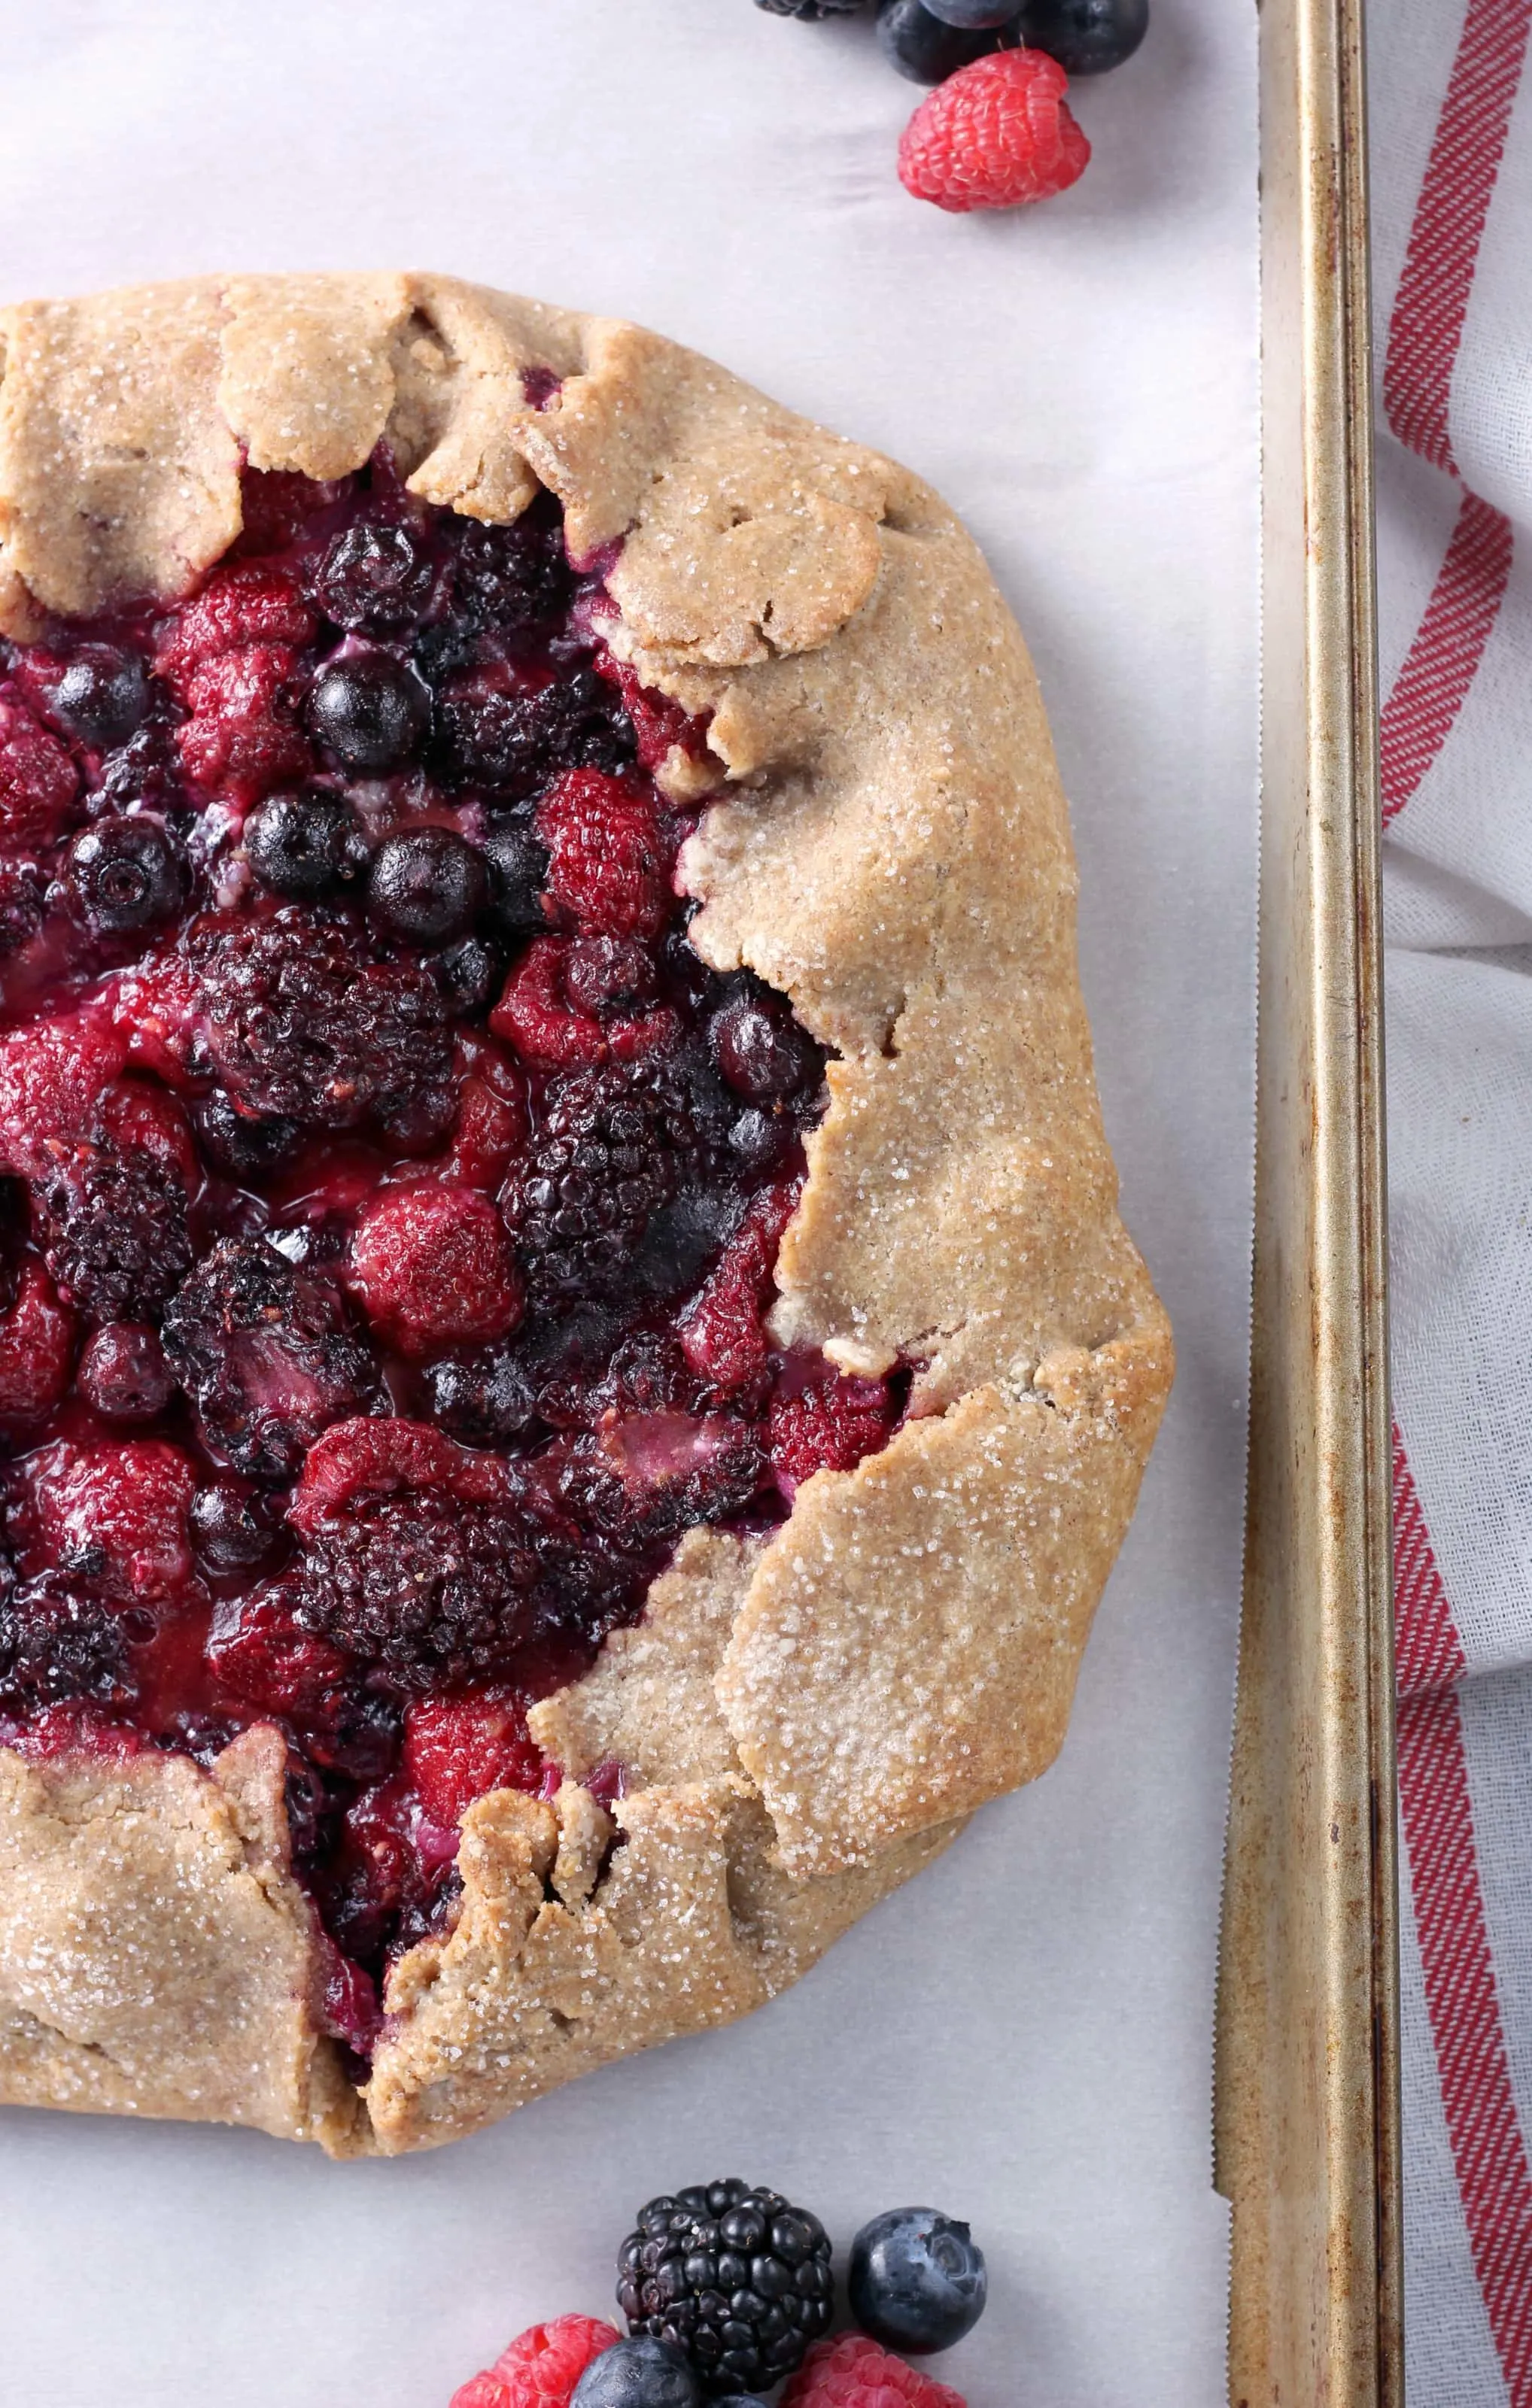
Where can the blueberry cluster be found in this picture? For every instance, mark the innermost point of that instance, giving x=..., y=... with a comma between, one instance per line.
x=927, y=40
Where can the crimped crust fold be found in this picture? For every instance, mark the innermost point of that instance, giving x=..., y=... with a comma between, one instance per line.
x=802, y=1722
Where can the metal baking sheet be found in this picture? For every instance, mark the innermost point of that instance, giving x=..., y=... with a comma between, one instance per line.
x=1308, y=2081
x=1026, y=2033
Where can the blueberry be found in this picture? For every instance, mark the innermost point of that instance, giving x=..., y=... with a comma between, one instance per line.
x=238, y=1144
x=102, y=695
x=234, y=1529
x=810, y=10
x=760, y=1049
x=125, y=875
x=427, y=885
x=924, y=48
x=123, y=1375
x=916, y=2280
x=471, y=974
x=370, y=709
x=972, y=16
x=642, y=2373
x=1085, y=36
x=300, y=844
x=518, y=867
x=374, y=577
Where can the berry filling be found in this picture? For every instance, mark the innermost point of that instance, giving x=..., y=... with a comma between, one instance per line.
x=389, y=1194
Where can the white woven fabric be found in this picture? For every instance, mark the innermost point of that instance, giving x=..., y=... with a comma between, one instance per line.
x=1451, y=141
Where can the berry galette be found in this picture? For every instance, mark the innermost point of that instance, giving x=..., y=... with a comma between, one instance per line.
x=569, y=1370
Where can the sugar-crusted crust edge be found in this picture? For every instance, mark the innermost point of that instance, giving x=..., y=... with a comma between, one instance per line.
x=886, y=840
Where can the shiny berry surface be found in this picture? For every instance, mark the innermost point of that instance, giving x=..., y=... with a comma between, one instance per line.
x=389, y=1194
x=1085, y=36
x=916, y=2280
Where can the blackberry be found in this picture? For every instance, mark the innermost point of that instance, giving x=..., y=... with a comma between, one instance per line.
x=485, y=1400
x=56, y=1644
x=610, y=1152
x=509, y=743
x=513, y=576
x=267, y=1352
x=431, y=1588
x=301, y=1026
x=374, y=577
x=21, y=904
x=113, y=1227
x=735, y=2277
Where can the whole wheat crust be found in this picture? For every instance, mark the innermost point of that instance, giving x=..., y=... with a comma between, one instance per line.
x=806, y=1722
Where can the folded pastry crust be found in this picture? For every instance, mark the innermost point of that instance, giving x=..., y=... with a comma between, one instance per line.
x=803, y=1722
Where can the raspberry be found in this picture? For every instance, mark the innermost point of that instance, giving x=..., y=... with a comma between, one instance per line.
x=277, y=504
x=510, y=737
x=608, y=858
x=554, y=1029
x=300, y=1030
x=57, y=1644
x=112, y=1227
x=852, y=2372
x=660, y=727
x=36, y=1348
x=253, y=603
x=489, y=1132
x=117, y=1514
x=240, y=739
x=357, y=1461
x=260, y=1651
x=610, y=1151
x=433, y=1268
x=721, y=1332
x=38, y=781
x=541, y=2366
x=266, y=1353
x=456, y=1749
x=138, y=1117
x=123, y=1375
x=995, y=133
x=650, y=1476
x=828, y=1426
x=51, y=1076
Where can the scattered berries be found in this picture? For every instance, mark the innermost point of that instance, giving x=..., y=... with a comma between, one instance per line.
x=918, y=2280
x=1086, y=37
x=734, y=2277
x=852, y=2372
x=541, y=2367
x=639, y=2374
x=996, y=134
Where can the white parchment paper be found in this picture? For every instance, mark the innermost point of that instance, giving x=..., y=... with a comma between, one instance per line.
x=1024, y=2035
